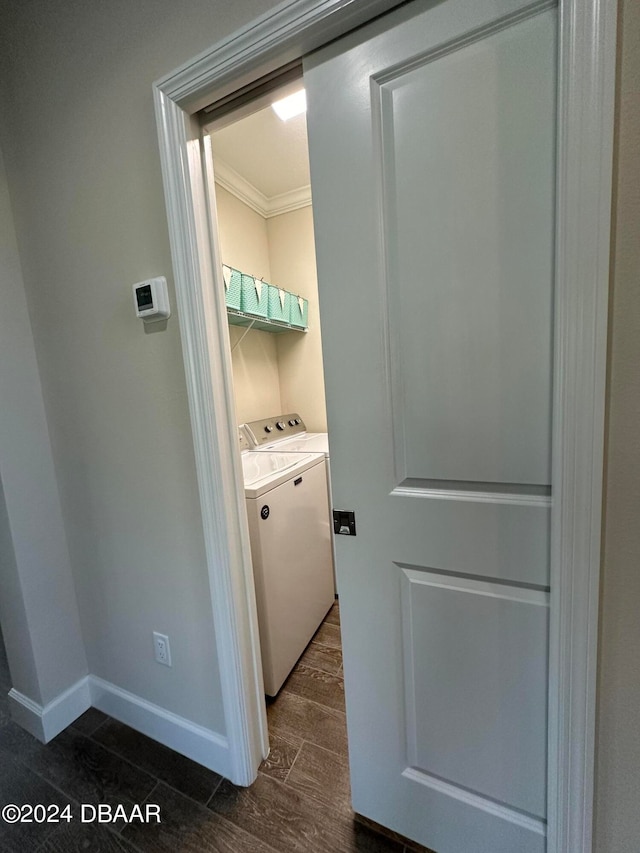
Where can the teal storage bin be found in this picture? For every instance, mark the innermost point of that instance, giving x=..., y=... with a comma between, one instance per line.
x=254, y=296
x=279, y=305
x=299, y=311
x=232, y=286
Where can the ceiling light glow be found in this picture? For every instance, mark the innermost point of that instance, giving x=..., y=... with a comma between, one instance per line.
x=292, y=105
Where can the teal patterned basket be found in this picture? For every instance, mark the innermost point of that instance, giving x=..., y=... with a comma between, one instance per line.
x=232, y=286
x=279, y=304
x=254, y=296
x=299, y=311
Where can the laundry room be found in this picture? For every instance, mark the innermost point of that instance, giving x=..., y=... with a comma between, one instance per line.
x=265, y=225
x=265, y=231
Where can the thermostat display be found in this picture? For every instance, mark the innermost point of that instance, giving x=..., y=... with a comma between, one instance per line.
x=144, y=297
x=152, y=299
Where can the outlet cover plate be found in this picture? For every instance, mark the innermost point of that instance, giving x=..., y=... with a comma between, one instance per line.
x=161, y=648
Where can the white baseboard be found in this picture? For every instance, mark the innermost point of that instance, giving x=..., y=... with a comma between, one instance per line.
x=47, y=721
x=202, y=745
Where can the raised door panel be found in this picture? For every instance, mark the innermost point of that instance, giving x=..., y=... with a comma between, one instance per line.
x=486, y=535
x=476, y=681
x=468, y=221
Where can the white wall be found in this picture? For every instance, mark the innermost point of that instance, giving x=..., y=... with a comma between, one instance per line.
x=38, y=609
x=275, y=373
x=293, y=266
x=83, y=168
x=244, y=245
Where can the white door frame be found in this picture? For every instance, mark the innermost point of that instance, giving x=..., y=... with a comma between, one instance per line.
x=586, y=89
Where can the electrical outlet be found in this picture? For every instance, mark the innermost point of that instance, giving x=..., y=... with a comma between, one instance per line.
x=161, y=648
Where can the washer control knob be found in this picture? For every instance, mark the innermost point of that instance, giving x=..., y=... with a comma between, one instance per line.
x=292, y=422
x=268, y=428
x=281, y=425
x=298, y=421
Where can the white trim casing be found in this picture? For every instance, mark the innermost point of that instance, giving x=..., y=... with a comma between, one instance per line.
x=586, y=99
x=585, y=127
x=282, y=35
x=204, y=335
x=46, y=721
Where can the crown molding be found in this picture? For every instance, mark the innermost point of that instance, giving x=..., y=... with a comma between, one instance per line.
x=233, y=182
x=286, y=202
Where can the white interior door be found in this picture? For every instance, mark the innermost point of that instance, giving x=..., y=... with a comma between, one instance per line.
x=432, y=138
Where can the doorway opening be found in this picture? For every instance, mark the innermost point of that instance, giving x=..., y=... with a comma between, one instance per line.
x=265, y=232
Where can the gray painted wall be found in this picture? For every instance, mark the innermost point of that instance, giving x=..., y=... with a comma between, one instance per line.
x=13, y=619
x=82, y=162
x=38, y=609
x=618, y=763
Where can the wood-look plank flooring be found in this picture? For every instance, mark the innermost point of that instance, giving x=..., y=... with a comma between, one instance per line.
x=300, y=802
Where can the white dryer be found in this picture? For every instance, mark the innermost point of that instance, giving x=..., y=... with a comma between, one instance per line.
x=286, y=500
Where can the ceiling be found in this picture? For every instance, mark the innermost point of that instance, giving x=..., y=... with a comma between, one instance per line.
x=270, y=154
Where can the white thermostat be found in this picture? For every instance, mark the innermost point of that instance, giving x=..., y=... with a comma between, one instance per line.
x=152, y=299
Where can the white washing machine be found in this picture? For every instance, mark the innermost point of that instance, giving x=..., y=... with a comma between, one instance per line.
x=288, y=434
x=286, y=500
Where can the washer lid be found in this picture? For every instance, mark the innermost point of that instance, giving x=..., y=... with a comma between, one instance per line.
x=308, y=442
x=264, y=471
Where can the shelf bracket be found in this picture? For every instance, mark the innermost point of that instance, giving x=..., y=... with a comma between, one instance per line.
x=239, y=341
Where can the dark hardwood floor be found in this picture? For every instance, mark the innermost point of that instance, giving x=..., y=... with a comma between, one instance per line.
x=299, y=802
